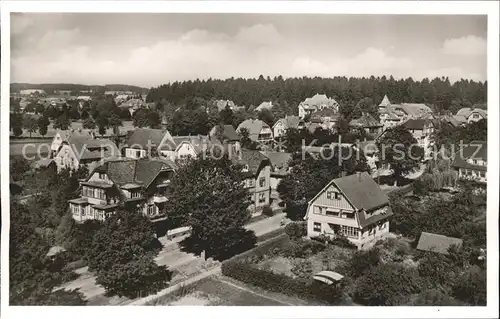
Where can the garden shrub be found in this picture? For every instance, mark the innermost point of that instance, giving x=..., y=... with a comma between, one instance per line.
x=303, y=248
x=267, y=211
x=280, y=283
x=339, y=240
x=296, y=230
x=362, y=261
x=74, y=265
x=302, y=269
x=471, y=287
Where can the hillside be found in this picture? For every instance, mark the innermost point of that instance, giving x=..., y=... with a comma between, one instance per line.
x=50, y=87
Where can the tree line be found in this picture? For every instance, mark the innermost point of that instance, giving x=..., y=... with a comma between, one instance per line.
x=439, y=92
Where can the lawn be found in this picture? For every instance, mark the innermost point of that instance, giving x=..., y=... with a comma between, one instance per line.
x=216, y=292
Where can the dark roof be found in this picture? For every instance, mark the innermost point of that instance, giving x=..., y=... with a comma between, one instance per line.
x=279, y=160
x=87, y=148
x=362, y=191
x=365, y=120
x=141, y=171
x=437, y=243
x=253, y=158
x=365, y=219
x=229, y=133
x=416, y=124
x=477, y=148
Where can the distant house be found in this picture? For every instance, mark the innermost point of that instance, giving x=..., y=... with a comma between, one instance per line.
x=257, y=169
x=84, y=98
x=413, y=110
x=258, y=131
x=145, y=142
x=422, y=131
x=132, y=105
x=64, y=135
x=437, y=243
x=471, y=161
x=317, y=103
x=193, y=146
x=229, y=137
x=385, y=102
x=389, y=118
x=288, y=122
x=468, y=115
x=221, y=105
x=80, y=150
x=367, y=122
x=352, y=206
x=264, y=106
x=33, y=92
x=279, y=169
x=134, y=184
x=326, y=118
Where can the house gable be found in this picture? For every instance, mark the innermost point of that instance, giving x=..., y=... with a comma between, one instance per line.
x=185, y=149
x=66, y=157
x=334, y=198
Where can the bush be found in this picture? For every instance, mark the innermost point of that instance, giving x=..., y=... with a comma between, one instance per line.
x=471, y=287
x=302, y=269
x=303, y=248
x=272, y=234
x=296, y=230
x=386, y=285
x=280, y=283
x=74, y=265
x=435, y=297
x=267, y=211
x=362, y=261
x=339, y=240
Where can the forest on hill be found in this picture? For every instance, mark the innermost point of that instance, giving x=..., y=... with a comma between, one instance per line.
x=49, y=88
x=438, y=92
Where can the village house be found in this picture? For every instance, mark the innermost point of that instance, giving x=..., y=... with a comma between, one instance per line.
x=437, y=243
x=279, y=169
x=140, y=184
x=368, y=123
x=317, y=103
x=264, y=106
x=471, y=161
x=422, y=131
x=283, y=124
x=33, y=92
x=326, y=118
x=146, y=142
x=84, y=98
x=390, y=118
x=221, y=105
x=132, y=105
x=63, y=135
x=404, y=111
x=258, y=131
x=469, y=115
x=257, y=169
x=79, y=150
x=353, y=206
x=193, y=146
x=228, y=137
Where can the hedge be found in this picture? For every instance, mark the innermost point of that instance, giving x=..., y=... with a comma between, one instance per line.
x=271, y=234
x=280, y=283
x=262, y=249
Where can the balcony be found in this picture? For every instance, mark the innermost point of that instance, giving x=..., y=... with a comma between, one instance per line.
x=159, y=199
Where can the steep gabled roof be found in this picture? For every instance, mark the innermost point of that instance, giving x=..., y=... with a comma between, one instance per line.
x=141, y=136
x=253, y=158
x=362, y=191
x=87, y=148
x=365, y=120
x=279, y=160
x=264, y=106
x=385, y=102
x=319, y=100
x=437, y=243
x=253, y=126
x=229, y=133
x=416, y=124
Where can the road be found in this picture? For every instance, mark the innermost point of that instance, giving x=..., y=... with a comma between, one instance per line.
x=171, y=255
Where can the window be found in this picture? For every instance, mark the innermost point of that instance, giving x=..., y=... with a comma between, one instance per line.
x=245, y=168
x=151, y=210
x=135, y=194
x=318, y=210
x=262, y=181
x=482, y=174
x=102, y=176
x=347, y=215
x=317, y=227
x=332, y=213
x=474, y=162
x=75, y=209
x=333, y=195
x=262, y=198
x=350, y=231
x=382, y=226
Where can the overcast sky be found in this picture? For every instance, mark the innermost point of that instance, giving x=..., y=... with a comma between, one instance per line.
x=152, y=49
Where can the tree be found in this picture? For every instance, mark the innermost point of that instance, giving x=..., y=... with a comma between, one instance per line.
x=398, y=148
x=266, y=116
x=226, y=116
x=30, y=124
x=471, y=287
x=296, y=230
x=43, y=124
x=122, y=254
x=16, y=123
x=386, y=285
x=208, y=194
x=62, y=123
x=245, y=140
x=89, y=123
x=362, y=261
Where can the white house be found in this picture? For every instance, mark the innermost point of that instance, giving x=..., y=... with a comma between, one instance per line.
x=471, y=161
x=352, y=206
x=317, y=103
x=288, y=122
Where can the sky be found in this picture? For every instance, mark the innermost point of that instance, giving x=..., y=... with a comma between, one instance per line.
x=153, y=49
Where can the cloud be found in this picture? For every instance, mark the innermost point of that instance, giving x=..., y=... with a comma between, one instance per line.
x=469, y=46
x=61, y=56
x=19, y=23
